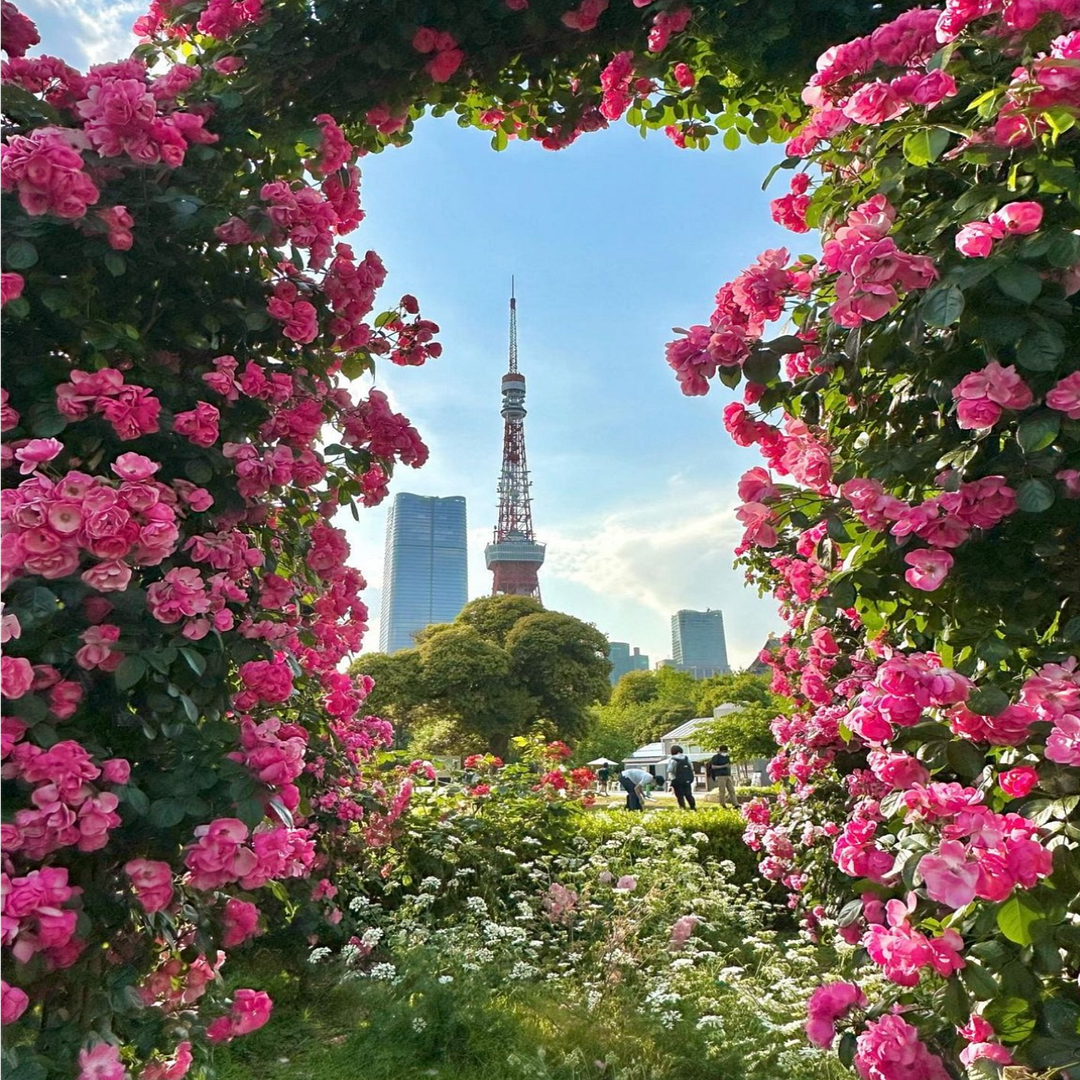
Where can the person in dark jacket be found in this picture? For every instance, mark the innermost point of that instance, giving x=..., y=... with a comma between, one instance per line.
x=720, y=771
x=681, y=772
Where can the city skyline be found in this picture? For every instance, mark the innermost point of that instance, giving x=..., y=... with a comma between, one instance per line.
x=425, y=567
x=637, y=483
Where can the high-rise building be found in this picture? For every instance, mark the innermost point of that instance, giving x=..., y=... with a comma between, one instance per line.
x=623, y=660
x=697, y=643
x=514, y=557
x=425, y=574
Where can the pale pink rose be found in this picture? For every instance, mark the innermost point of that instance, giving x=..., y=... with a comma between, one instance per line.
x=152, y=882
x=116, y=771
x=929, y=568
x=112, y=575
x=37, y=452
x=1065, y=396
x=101, y=1062
x=1063, y=744
x=948, y=876
x=627, y=883
x=755, y=486
x=1071, y=479
x=976, y=240
x=132, y=466
x=826, y=1005
x=873, y=104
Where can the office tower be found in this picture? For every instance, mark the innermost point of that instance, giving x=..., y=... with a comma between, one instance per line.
x=623, y=660
x=513, y=556
x=697, y=643
x=425, y=576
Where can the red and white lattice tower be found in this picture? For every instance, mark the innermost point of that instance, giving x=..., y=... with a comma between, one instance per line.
x=513, y=556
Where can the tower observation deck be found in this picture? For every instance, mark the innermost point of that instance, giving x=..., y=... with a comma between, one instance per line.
x=513, y=556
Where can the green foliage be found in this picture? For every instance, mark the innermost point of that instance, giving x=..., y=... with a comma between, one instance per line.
x=503, y=667
x=746, y=732
x=635, y=688
x=739, y=687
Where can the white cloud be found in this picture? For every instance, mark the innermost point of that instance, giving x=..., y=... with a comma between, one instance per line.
x=101, y=29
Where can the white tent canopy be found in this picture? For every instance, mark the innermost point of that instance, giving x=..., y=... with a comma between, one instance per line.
x=601, y=761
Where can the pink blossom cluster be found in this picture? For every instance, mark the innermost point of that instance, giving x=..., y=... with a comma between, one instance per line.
x=872, y=271
x=982, y=396
x=615, y=83
x=173, y=1068
x=220, y=855
x=585, y=16
x=976, y=239
x=132, y=411
x=1053, y=693
x=890, y=1049
x=335, y=151
x=350, y=287
x=1065, y=396
x=151, y=880
x=789, y=211
x=373, y=426
x=17, y=32
x=50, y=525
x=299, y=315
x=66, y=810
x=743, y=307
x=666, y=23
x=302, y=216
x=274, y=752
x=34, y=920
x=447, y=56
x=47, y=169
x=101, y=1062
x=902, y=952
x=223, y=18
x=559, y=903
x=122, y=117
x=175, y=984
x=903, y=688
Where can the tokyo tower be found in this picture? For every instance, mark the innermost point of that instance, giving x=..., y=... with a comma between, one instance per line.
x=513, y=556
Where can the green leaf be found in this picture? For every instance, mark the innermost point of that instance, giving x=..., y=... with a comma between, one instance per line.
x=20, y=254
x=130, y=672
x=1038, y=432
x=923, y=147
x=987, y=701
x=499, y=140
x=845, y=1050
x=165, y=813
x=1017, y=916
x=136, y=798
x=761, y=366
x=195, y=659
x=942, y=306
x=1034, y=496
x=115, y=263
x=1050, y=1053
x=1011, y=1018
x=1021, y=282
x=966, y=759
x=981, y=984
x=732, y=139
x=1040, y=350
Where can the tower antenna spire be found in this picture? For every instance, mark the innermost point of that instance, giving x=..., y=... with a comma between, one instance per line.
x=513, y=556
x=513, y=329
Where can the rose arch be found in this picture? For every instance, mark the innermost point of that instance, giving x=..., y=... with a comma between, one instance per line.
x=183, y=760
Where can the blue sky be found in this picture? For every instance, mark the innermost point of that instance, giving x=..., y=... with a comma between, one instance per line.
x=613, y=242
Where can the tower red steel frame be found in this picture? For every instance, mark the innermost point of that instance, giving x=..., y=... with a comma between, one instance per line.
x=514, y=557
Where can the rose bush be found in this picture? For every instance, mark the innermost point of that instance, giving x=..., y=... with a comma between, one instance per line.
x=180, y=750
x=919, y=521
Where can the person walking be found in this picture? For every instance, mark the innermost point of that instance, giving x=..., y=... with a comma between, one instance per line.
x=720, y=771
x=634, y=782
x=681, y=770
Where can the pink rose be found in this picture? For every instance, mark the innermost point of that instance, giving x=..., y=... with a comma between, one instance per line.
x=948, y=876
x=1065, y=396
x=116, y=771
x=132, y=466
x=36, y=452
x=13, y=1002
x=1016, y=783
x=873, y=104
x=1018, y=217
x=16, y=676
x=101, y=1062
x=929, y=568
x=152, y=882
x=976, y=240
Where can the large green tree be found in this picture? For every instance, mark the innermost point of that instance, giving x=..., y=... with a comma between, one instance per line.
x=503, y=667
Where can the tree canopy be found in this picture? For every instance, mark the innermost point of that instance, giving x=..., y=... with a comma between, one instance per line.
x=503, y=667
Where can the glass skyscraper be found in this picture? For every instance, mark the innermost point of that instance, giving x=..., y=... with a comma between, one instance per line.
x=425, y=575
x=698, y=644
